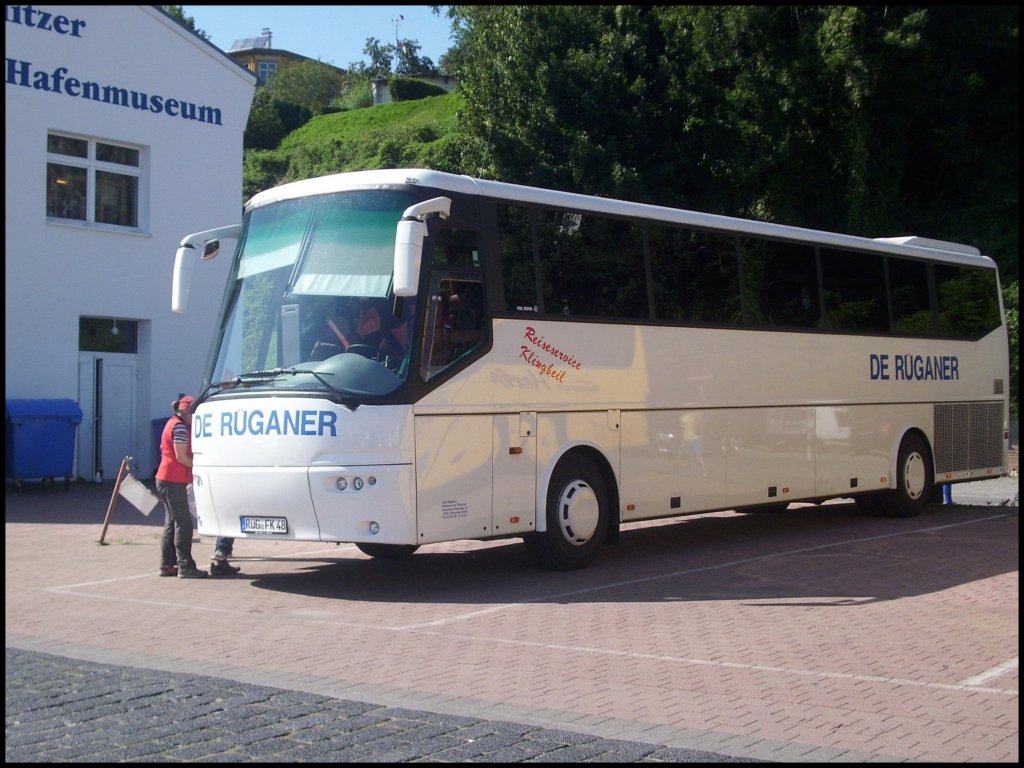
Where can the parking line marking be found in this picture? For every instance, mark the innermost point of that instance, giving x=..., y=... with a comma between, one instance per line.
x=896, y=681
x=689, y=571
x=972, y=684
x=996, y=671
x=68, y=588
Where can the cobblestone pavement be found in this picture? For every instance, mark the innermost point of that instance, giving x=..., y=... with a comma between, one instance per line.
x=63, y=710
x=733, y=639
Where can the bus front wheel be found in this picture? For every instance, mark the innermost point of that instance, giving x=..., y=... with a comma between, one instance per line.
x=914, y=480
x=387, y=551
x=577, y=517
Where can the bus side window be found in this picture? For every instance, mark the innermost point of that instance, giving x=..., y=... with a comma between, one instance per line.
x=453, y=322
x=455, y=248
x=780, y=283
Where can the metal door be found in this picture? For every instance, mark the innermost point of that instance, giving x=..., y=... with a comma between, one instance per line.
x=106, y=395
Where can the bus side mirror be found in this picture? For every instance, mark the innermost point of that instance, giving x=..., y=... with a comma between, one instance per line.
x=412, y=228
x=408, y=255
x=187, y=255
x=211, y=250
x=184, y=263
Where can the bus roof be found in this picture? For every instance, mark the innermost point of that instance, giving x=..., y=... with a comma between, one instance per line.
x=910, y=245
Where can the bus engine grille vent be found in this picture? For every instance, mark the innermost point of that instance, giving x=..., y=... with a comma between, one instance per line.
x=997, y=386
x=968, y=436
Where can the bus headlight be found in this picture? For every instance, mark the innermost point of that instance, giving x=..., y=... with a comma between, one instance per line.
x=356, y=483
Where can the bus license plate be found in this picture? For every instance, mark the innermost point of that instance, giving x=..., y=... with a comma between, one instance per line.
x=268, y=525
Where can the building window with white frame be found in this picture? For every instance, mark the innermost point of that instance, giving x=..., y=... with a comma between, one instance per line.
x=92, y=181
x=265, y=70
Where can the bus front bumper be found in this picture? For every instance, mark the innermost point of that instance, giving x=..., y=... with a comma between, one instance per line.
x=368, y=503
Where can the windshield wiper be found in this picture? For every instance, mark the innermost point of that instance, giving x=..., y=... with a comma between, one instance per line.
x=270, y=373
x=227, y=384
x=273, y=373
x=255, y=377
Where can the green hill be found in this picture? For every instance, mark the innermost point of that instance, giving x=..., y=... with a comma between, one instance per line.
x=422, y=133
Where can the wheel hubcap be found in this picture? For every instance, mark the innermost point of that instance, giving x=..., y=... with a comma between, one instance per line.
x=914, y=475
x=578, y=512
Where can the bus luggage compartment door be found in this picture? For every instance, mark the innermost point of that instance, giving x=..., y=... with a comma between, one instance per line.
x=453, y=486
x=515, y=473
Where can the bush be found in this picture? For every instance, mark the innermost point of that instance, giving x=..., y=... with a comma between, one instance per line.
x=391, y=153
x=310, y=84
x=357, y=93
x=262, y=169
x=454, y=152
x=270, y=120
x=411, y=89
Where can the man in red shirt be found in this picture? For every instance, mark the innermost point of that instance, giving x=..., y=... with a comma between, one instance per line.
x=172, y=480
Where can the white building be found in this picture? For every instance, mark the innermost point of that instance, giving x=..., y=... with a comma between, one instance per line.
x=123, y=133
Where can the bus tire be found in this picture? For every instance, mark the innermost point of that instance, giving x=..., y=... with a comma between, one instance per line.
x=914, y=480
x=387, y=551
x=577, y=517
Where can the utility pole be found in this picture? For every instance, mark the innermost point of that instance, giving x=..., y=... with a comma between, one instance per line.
x=396, y=22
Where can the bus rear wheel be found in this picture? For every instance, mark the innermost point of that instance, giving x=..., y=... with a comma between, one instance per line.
x=577, y=517
x=914, y=480
x=387, y=551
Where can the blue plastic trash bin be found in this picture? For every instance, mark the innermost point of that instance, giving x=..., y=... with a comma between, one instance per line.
x=41, y=438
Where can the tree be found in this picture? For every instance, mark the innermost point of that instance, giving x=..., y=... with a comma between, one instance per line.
x=311, y=85
x=872, y=120
x=271, y=119
x=357, y=92
x=177, y=12
x=411, y=63
x=577, y=97
x=382, y=59
x=1011, y=302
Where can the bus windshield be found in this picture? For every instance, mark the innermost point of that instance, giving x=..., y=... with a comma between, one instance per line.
x=309, y=305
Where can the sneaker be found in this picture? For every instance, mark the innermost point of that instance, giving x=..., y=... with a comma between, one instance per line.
x=168, y=570
x=223, y=568
x=191, y=573
x=219, y=556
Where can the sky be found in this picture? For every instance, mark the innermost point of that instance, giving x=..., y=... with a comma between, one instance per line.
x=330, y=33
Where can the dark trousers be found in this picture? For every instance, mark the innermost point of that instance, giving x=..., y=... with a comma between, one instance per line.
x=176, y=541
x=224, y=544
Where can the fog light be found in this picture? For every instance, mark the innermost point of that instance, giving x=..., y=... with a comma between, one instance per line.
x=357, y=483
x=342, y=483
x=374, y=527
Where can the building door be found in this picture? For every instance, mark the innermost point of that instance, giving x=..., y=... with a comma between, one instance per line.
x=107, y=397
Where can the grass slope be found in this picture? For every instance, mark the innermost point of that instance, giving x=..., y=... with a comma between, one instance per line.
x=421, y=134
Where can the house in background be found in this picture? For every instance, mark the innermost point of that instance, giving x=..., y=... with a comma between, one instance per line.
x=257, y=55
x=382, y=93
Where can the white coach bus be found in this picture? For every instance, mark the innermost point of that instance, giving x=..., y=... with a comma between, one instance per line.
x=405, y=357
